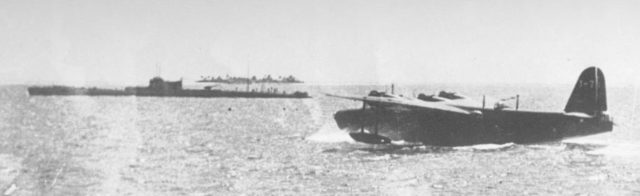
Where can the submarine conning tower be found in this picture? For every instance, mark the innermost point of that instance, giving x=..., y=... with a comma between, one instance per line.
x=157, y=83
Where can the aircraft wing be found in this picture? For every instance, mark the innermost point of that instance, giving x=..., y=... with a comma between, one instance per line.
x=346, y=97
x=405, y=103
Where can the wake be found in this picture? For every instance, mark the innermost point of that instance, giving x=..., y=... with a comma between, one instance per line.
x=623, y=150
x=329, y=133
x=485, y=147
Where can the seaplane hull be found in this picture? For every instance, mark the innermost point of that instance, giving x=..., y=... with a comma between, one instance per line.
x=447, y=129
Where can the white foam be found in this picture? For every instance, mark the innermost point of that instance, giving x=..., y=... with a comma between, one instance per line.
x=625, y=150
x=610, y=146
x=484, y=146
x=399, y=142
x=405, y=143
x=10, y=167
x=593, y=140
x=330, y=133
x=379, y=158
x=11, y=189
x=547, y=146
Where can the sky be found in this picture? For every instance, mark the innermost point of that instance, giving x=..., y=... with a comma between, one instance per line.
x=320, y=41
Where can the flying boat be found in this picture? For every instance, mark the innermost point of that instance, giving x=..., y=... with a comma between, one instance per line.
x=452, y=119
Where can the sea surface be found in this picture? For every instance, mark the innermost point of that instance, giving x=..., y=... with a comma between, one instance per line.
x=78, y=145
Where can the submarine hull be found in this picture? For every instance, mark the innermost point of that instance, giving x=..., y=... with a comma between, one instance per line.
x=148, y=92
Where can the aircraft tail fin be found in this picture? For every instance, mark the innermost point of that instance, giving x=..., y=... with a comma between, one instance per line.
x=589, y=96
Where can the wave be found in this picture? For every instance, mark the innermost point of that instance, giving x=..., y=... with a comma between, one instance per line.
x=622, y=150
x=485, y=147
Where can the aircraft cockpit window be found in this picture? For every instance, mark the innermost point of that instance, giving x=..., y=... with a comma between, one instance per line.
x=379, y=94
x=430, y=98
x=374, y=94
x=449, y=95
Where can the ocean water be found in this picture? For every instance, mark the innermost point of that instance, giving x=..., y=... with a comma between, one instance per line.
x=196, y=146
